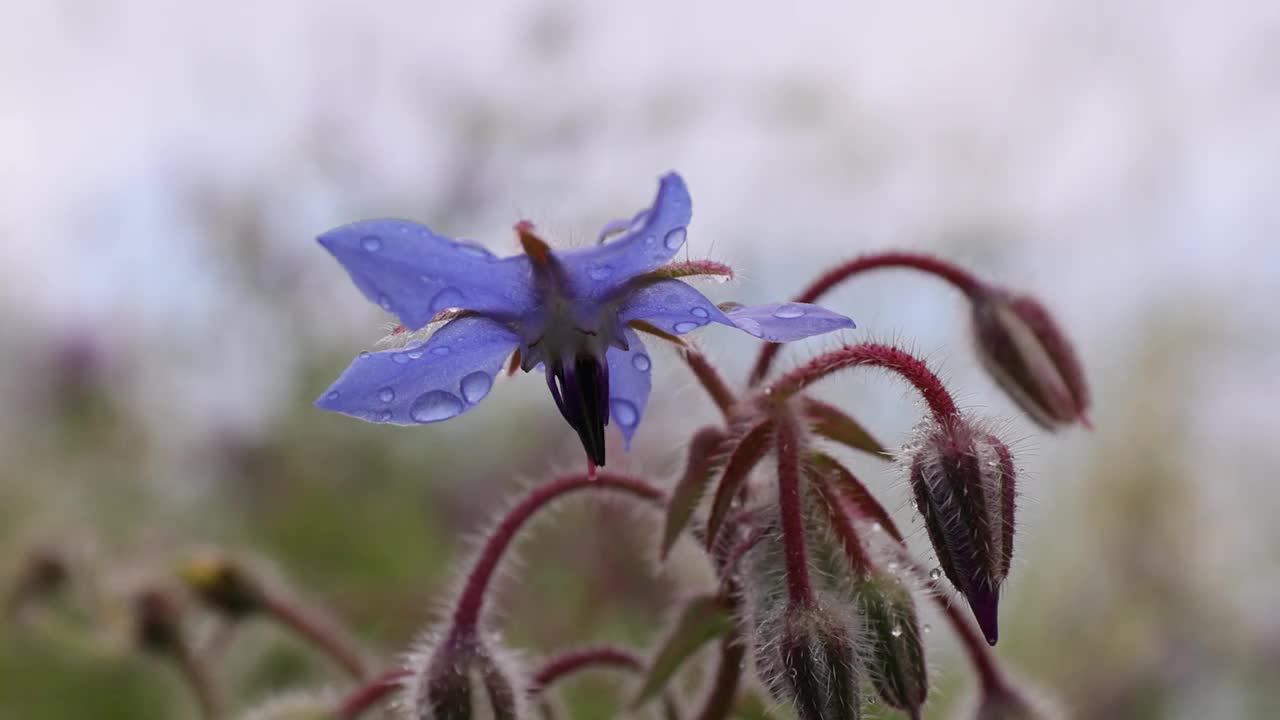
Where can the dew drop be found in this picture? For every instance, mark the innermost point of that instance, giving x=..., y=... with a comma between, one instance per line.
x=475, y=386
x=435, y=406
x=675, y=239
x=624, y=412
x=686, y=326
x=599, y=272
x=896, y=631
x=788, y=311
x=333, y=395
x=749, y=326
x=700, y=312
x=927, y=628
x=893, y=566
x=414, y=354
x=384, y=302
x=371, y=243
x=440, y=351
x=384, y=416
x=364, y=354
x=935, y=573
x=386, y=394
x=445, y=299
x=875, y=527
x=400, y=359
x=641, y=362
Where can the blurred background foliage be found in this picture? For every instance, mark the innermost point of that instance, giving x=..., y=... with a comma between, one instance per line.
x=167, y=319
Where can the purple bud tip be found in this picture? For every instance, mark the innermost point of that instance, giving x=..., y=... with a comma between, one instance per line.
x=985, y=603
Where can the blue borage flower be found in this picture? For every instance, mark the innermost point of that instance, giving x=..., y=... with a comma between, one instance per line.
x=569, y=312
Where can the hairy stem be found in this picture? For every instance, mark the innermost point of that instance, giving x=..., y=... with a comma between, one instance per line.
x=958, y=277
x=470, y=604
x=574, y=661
x=326, y=637
x=887, y=357
x=371, y=693
x=791, y=509
x=711, y=381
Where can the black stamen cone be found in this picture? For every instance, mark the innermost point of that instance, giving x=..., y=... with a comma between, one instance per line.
x=581, y=391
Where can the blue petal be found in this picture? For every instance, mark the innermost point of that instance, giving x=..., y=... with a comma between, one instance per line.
x=653, y=238
x=678, y=308
x=784, y=322
x=628, y=385
x=671, y=306
x=413, y=272
x=439, y=380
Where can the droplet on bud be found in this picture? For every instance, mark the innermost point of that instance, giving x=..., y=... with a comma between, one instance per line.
x=893, y=650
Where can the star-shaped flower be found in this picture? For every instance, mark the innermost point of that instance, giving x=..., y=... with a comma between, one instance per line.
x=570, y=312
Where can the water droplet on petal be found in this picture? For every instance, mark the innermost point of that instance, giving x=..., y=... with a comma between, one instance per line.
x=384, y=302
x=435, y=406
x=641, y=362
x=364, y=354
x=333, y=395
x=371, y=243
x=700, y=312
x=624, y=412
x=686, y=326
x=384, y=416
x=475, y=386
x=414, y=354
x=447, y=298
x=599, y=272
x=675, y=239
x=386, y=394
x=788, y=311
x=749, y=326
x=935, y=573
x=440, y=351
x=400, y=359
x=896, y=631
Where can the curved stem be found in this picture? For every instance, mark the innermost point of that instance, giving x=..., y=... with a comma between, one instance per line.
x=323, y=635
x=574, y=661
x=888, y=357
x=711, y=381
x=466, y=614
x=371, y=693
x=791, y=509
x=958, y=277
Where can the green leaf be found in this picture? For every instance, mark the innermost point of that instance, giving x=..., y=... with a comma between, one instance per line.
x=703, y=619
x=832, y=423
x=698, y=471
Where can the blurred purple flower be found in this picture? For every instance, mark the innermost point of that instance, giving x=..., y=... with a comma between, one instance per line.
x=569, y=312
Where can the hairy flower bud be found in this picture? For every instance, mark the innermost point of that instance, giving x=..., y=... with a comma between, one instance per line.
x=222, y=584
x=963, y=481
x=805, y=656
x=157, y=620
x=463, y=678
x=894, y=652
x=1029, y=356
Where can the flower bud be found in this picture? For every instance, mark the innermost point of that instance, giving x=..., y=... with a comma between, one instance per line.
x=894, y=653
x=157, y=621
x=1030, y=358
x=805, y=656
x=222, y=584
x=463, y=678
x=963, y=481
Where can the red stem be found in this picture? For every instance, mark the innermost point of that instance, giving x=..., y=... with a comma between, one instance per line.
x=322, y=635
x=371, y=693
x=466, y=614
x=711, y=381
x=581, y=659
x=888, y=357
x=791, y=510
x=724, y=690
x=958, y=277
